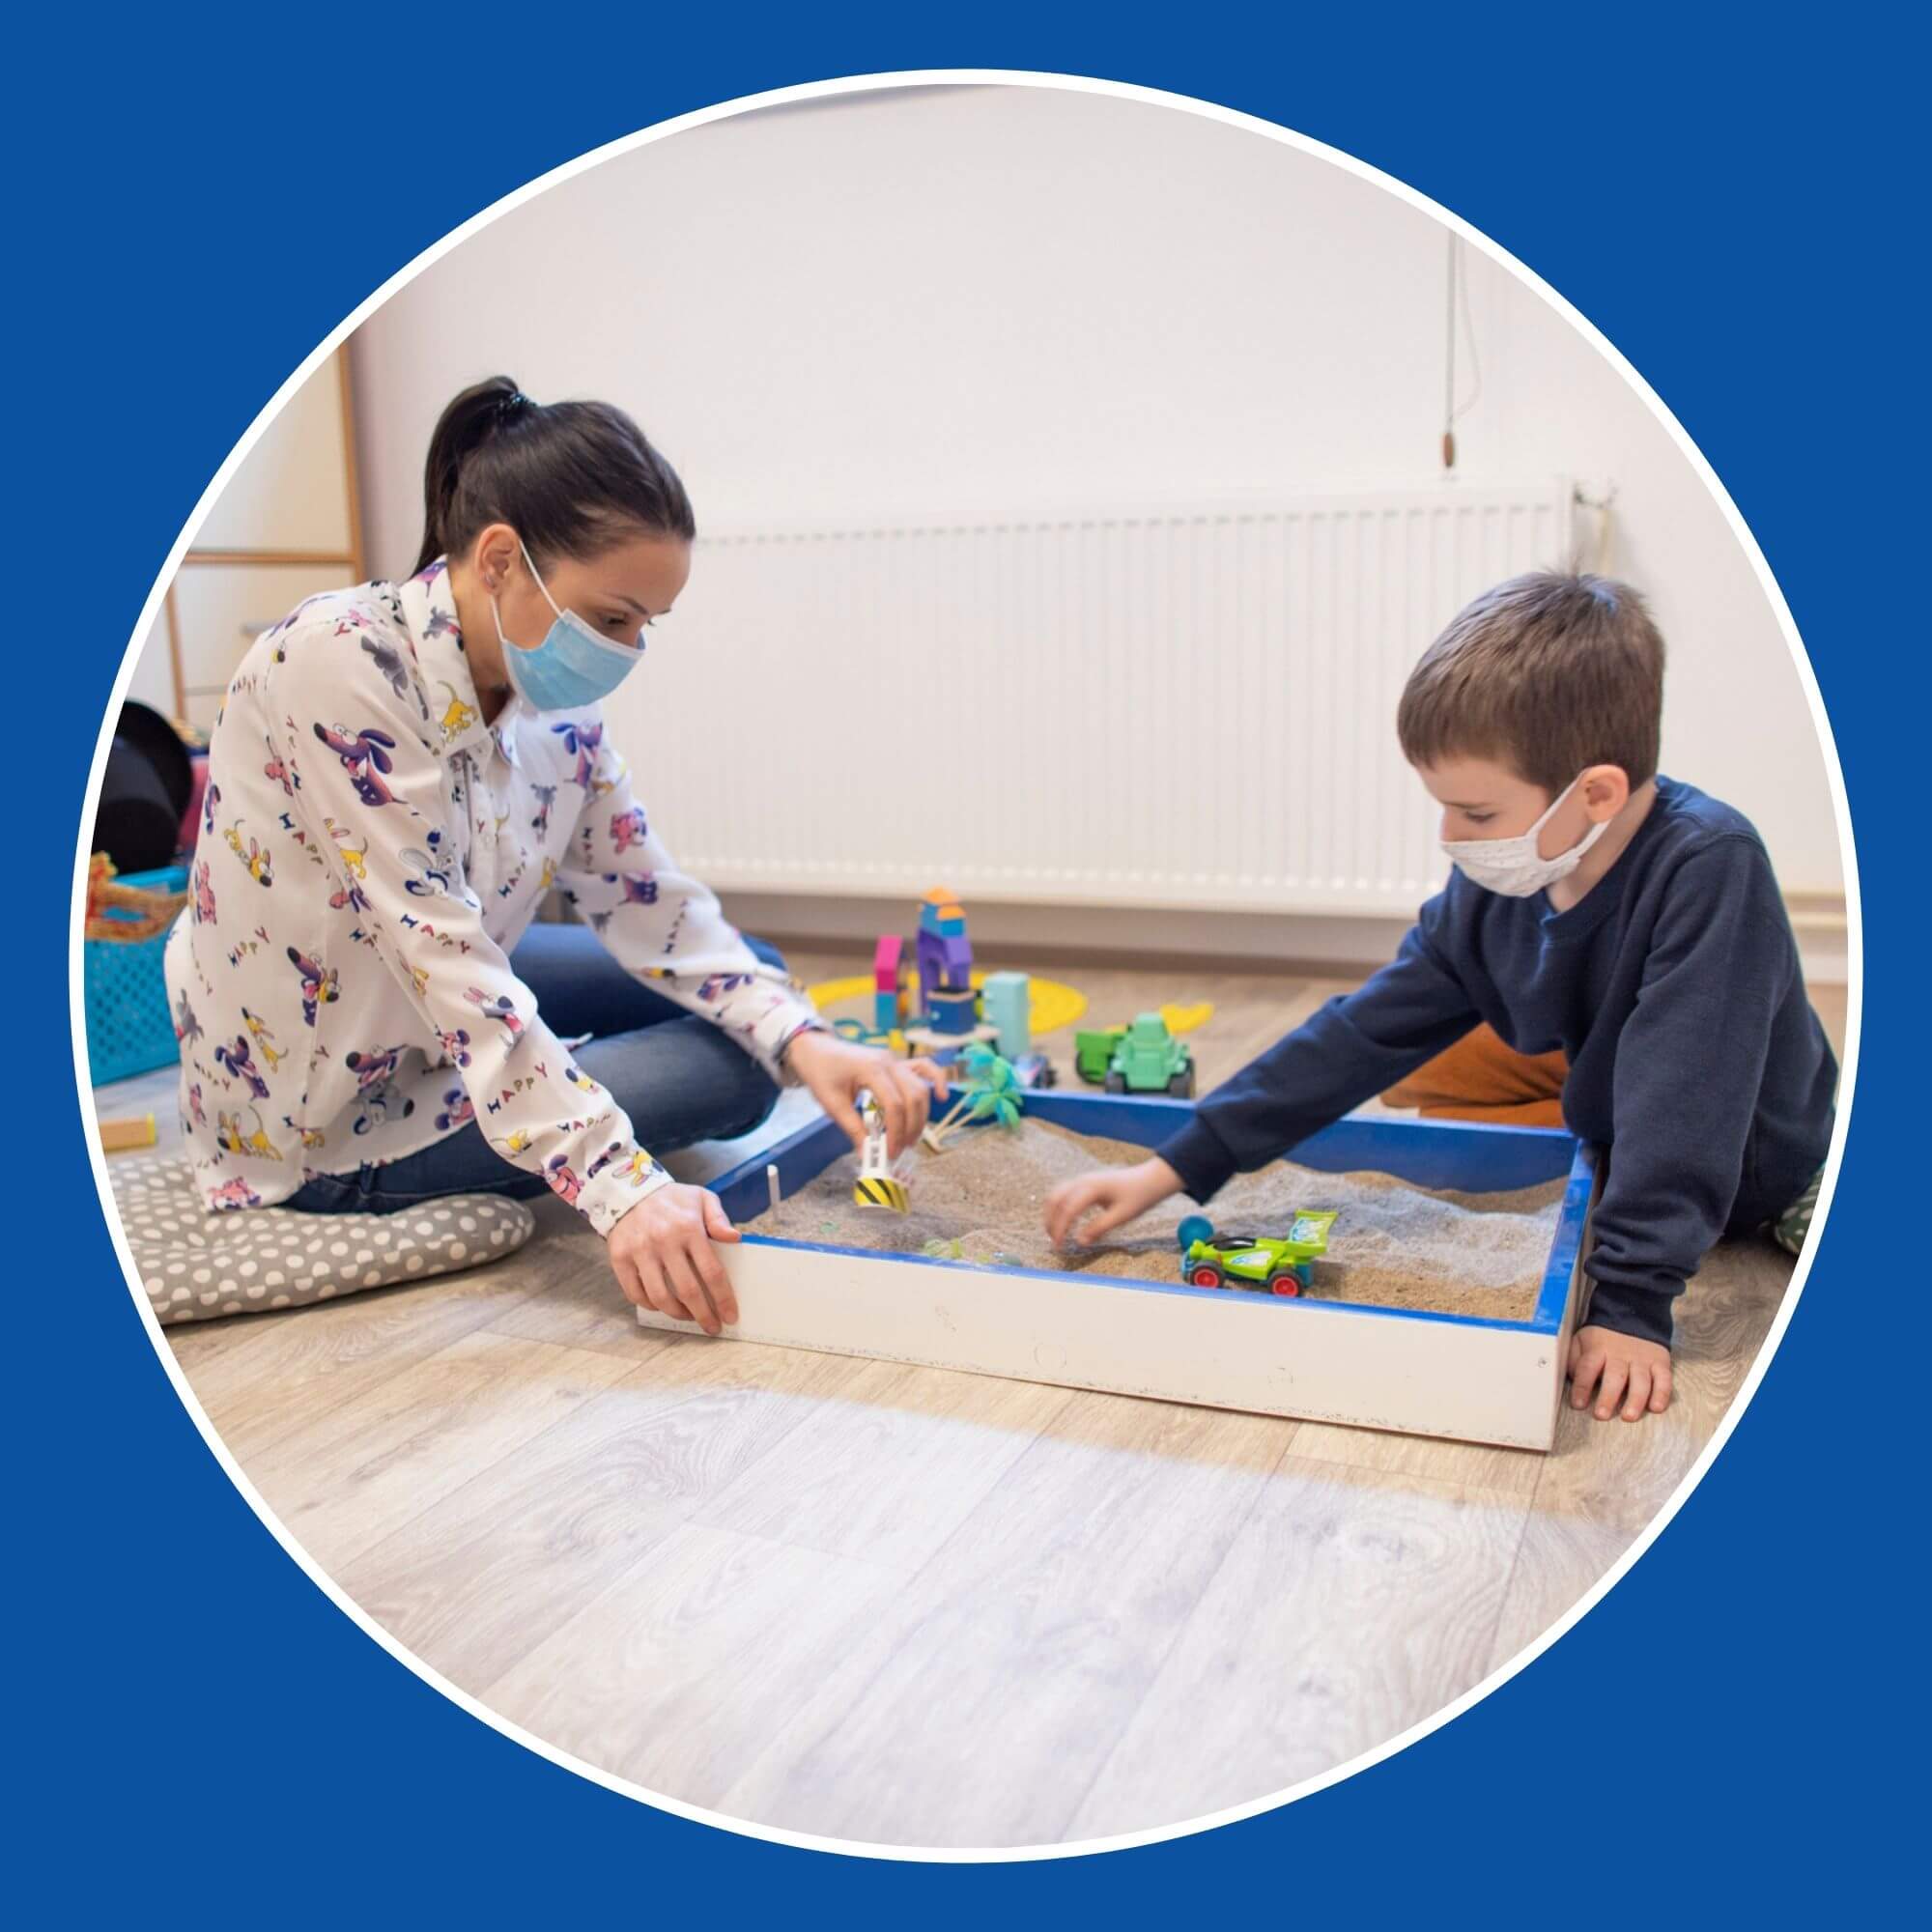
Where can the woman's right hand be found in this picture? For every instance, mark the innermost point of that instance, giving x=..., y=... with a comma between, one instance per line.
x=661, y=1252
x=1106, y=1197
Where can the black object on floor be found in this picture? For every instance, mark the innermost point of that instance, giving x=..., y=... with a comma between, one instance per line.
x=144, y=792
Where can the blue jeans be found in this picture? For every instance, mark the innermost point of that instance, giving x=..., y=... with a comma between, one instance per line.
x=676, y=1075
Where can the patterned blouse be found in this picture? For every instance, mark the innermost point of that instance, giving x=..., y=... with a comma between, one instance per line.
x=370, y=852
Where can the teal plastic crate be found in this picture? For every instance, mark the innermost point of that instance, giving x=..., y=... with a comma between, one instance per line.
x=130, y=1029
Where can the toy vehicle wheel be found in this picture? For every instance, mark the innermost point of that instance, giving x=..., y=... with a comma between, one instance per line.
x=1206, y=1275
x=1117, y=1083
x=1181, y=1085
x=1286, y=1281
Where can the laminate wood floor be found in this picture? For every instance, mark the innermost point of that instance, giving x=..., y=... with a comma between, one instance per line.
x=900, y=1605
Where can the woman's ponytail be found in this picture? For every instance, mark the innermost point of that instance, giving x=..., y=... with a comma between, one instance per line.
x=465, y=425
x=571, y=478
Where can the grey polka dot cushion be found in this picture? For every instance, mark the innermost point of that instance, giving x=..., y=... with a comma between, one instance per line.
x=194, y=1264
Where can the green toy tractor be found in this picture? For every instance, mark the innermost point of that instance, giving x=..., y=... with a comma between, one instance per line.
x=1277, y=1265
x=1093, y=1052
x=1142, y=1058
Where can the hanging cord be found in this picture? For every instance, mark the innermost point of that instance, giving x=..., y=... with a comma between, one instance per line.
x=1456, y=291
x=1601, y=563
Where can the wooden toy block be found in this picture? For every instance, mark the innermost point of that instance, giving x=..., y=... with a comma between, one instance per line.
x=1005, y=998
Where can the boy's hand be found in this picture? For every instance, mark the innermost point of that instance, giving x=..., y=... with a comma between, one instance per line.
x=1110, y=1196
x=661, y=1252
x=1633, y=1371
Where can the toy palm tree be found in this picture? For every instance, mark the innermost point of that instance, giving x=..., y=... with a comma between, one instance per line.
x=989, y=1093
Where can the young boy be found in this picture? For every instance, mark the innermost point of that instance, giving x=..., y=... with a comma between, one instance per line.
x=1594, y=906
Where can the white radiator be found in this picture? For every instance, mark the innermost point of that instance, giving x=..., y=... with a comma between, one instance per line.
x=1162, y=707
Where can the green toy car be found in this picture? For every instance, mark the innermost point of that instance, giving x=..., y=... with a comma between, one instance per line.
x=1278, y=1264
x=1144, y=1058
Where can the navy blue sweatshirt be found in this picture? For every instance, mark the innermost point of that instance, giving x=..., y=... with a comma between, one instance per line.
x=1673, y=986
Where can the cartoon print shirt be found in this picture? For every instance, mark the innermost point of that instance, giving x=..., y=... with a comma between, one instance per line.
x=370, y=852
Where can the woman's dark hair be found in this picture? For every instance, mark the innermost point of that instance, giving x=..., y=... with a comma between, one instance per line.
x=573, y=479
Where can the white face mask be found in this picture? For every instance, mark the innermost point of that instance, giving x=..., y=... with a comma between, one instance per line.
x=1513, y=866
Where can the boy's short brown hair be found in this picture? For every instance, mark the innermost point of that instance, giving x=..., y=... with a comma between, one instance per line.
x=1548, y=673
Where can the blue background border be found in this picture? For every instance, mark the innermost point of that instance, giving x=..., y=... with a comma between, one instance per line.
x=1726, y=198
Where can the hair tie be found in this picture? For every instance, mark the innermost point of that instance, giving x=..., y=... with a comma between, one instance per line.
x=511, y=403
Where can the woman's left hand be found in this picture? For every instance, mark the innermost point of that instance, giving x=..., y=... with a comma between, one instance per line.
x=836, y=1071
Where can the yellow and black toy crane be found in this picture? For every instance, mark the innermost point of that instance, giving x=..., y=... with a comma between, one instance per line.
x=877, y=1186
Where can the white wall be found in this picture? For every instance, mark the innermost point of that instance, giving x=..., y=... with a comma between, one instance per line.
x=994, y=299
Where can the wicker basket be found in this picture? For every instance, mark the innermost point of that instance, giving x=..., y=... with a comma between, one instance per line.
x=130, y=1029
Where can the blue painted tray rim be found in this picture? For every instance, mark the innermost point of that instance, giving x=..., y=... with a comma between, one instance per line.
x=805, y=1153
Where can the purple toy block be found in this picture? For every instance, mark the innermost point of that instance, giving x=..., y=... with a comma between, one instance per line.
x=944, y=964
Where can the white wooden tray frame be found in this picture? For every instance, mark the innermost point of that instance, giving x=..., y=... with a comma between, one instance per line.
x=1373, y=1368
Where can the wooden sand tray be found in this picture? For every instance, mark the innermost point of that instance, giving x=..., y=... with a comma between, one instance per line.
x=1470, y=1377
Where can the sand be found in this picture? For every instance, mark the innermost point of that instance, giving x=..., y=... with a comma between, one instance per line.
x=1394, y=1245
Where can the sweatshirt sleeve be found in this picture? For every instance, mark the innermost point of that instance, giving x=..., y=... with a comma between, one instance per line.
x=1690, y=1061
x=666, y=928
x=1351, y=1050
x=370, y=789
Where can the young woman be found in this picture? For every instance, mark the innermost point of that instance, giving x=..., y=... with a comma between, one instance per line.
x=398, y=776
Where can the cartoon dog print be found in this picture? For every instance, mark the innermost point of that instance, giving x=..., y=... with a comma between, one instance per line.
x=720, y=983
x=229, y=1132
x=238, y=1062
x=187, y=1029
x=457, y=716
x=210, y=798
x=372, y=1070
x=234, y=1193
x=639, y=888
x=194, y=1105
x=637, y=1167
x=495, y=1008
x=584, y=739
x=255, y=859
x=379, y=1104
x=433, y=872
x=319, y=987
x=264, y=1039
x=546, y=797
x=457, y=1109
x=353, y=857
x=203, y=896
x=513, y=1144
x=456, y=1044
x=279, y=769
x=390, y=662
x=627, y=827
x=365, y=757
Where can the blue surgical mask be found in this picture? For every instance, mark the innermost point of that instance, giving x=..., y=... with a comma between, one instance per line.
x=572, y=668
